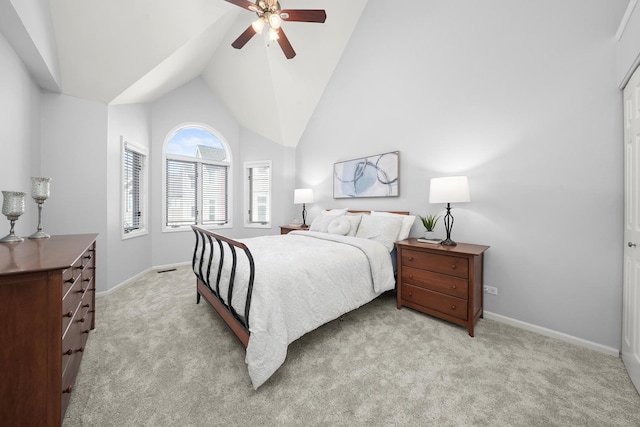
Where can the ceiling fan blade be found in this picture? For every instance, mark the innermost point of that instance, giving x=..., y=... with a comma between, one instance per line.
x=243, y=4
x=283, y=41
x=244, y=37
x=303, y=15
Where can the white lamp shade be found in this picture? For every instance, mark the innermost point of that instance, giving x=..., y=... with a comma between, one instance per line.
x=303, y=195
x=450, y=189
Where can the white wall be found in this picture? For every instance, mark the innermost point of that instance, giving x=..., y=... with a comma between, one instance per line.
x=74, y=154
x=19, y=136
x=28, y=27
x=128, y=257
x=521, y=97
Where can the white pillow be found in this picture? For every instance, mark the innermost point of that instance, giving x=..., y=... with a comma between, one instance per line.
x=407, y=223
x=340, y=225
x=355, y=221
x=383, y=229
x=335, y=211
x=321, y=222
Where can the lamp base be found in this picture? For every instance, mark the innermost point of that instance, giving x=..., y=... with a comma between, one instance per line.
x=448, y=242
x=39, y=235
x=11, y=238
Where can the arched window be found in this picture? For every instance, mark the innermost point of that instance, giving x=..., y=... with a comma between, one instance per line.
x=196, y=178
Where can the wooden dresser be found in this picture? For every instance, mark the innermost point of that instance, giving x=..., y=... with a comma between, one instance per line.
x=443, y=281
x=47, y=305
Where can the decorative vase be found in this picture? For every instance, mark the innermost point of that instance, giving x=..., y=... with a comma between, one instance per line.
x=429, y=234
x=40, y=192
x=12, y=208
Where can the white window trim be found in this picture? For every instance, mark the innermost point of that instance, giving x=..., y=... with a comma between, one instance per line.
x=140, y=149
x=247, y=195
x=225, y=144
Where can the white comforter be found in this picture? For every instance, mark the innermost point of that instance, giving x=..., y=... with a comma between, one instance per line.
x=303, y=280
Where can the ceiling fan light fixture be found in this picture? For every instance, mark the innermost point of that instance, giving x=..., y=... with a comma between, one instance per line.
x=258, y=25
x=271, y=14
x=274, y=20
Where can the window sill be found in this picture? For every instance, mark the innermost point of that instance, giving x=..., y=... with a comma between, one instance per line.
x=134, y=234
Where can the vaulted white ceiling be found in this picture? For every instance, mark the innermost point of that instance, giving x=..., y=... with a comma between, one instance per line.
x=130, y=51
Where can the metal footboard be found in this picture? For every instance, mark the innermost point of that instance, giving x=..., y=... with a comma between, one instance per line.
x=208, y=272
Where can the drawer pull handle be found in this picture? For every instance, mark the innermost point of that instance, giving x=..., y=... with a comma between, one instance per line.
x=453, y=307
x=86, y=331
x=453, y=266
x=82, y=290
x=410, y=293
x=68, y=389
x=453, y=286
x=410, y=258
x=87, y=257
x=69, y=314
x=70, y=351
x=86, y=305
x=69, y=280
x=87, y=280
x=411, y=276
x=81, y=320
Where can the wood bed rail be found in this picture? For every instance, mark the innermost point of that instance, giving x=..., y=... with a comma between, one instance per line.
x=204, y=265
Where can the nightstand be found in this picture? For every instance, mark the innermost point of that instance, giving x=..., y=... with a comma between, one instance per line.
x=442, y=281
x=285, y=229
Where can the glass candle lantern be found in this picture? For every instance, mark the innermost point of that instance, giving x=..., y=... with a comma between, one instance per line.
x=12, y=208
x=40, y=188
x=40, y=192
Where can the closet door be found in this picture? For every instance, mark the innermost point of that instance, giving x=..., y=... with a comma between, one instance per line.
x=631, y=287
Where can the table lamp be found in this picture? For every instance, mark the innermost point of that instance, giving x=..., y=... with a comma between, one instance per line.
x=450, y=189
x=303, y=195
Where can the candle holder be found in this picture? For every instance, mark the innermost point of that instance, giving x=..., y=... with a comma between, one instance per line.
x=40, y=192
x=12, y=208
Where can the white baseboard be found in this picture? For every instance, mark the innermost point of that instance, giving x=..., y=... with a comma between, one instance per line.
x=142, y=273
x=553, y=334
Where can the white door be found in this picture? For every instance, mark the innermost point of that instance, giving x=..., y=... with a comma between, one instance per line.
x=631, y=287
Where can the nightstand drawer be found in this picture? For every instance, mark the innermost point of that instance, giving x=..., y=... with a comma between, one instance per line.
x=446, y=264
x=436, y=301
x=446, y=284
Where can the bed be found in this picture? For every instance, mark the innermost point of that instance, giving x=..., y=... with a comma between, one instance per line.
x=271, y=290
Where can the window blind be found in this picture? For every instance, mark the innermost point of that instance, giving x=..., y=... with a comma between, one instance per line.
x=196, y=193
x=133, y=187
x=181, y=188
x=214, y=194
x=259, y=199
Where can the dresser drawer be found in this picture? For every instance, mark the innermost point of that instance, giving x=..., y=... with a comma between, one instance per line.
x=445, y=264
x=71, y=342
x=71, y=275
x=70, y=303
x=435, y=300
x=450, y=285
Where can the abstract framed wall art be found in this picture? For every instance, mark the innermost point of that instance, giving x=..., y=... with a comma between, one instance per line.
x=373, y=176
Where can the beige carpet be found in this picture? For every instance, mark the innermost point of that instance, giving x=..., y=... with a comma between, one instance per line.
x=158, y=359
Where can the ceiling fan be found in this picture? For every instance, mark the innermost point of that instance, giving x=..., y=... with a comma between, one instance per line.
x=270, y=15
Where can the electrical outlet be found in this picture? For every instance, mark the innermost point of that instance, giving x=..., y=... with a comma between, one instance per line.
x=491, y=290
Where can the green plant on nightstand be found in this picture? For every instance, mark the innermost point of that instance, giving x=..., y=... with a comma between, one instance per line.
x=429, y=222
